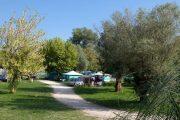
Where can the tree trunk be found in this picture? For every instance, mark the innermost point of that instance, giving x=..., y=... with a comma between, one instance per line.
x=13, y=90
x=141, y=85
x=13, y=85
x=14, y=82
x=118, y=85
x=31, y=80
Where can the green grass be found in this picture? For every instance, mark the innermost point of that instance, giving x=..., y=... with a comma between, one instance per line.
x=33, y=101
x=125, y=100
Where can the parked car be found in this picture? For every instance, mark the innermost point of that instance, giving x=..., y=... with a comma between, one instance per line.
x=3, y=79
x=76, y=82
x=3, y=75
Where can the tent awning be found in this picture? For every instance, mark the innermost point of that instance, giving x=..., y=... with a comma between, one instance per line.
x=73, y=73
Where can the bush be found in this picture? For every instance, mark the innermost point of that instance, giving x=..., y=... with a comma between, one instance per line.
x=111, y=83
x=128, y=80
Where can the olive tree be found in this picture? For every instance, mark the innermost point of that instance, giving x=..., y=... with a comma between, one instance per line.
x=139, y=44
x=163, y=95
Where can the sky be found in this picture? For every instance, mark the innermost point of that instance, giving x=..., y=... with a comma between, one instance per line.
x=62, y=16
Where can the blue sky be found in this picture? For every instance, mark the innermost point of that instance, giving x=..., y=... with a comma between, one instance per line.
x=61, y=16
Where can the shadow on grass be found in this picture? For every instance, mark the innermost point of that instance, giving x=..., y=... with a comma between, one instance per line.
x=31, y=97
x=30, y=102
x=4, y=92
x=35, y=89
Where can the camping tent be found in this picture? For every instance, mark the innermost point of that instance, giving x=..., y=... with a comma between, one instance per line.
x=71, y=74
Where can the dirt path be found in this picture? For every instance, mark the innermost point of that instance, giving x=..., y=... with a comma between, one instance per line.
x=66, y=95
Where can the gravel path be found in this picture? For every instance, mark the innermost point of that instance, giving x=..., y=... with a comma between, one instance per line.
x=66, y=95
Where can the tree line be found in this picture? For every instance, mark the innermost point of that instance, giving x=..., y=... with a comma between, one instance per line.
x=144, y=45
x=77, y=53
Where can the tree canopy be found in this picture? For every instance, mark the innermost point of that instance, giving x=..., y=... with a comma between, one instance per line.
x=92, y=57
x=20, y=46
x=139, y=44
x=83, y=63
x=83, y=36
x=60, y=56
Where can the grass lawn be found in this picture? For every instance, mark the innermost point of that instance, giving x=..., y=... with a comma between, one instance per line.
x=34, y=102
x=125, y=100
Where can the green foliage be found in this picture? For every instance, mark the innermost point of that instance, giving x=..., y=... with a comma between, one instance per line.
x=20, y=46
x=54, y=53
x=88, y=56
x=60, y=56
x=164, y=94
x=70, y=56
x=34, y=63
x=139, y=44
x=92, y=57
x=83, y=36
x=82, y=59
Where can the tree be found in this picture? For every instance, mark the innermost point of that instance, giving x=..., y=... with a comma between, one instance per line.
x=92, y=57
x=163, y=100
x=82, y=59
x=83, y=36
x=139, y=45
x=70, y=56
x=34, y=63
x=20, y=46
x=115, y=45
x=59, y=56
x=54, y=54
